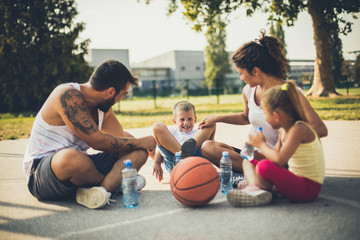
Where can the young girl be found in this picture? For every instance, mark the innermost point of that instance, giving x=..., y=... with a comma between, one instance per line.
x=298, y=146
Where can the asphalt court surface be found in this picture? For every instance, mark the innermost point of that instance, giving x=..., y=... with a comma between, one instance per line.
x=334, y=215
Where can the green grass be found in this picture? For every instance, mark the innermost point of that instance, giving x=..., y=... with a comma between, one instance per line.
x=14, y=128
x=137, y=113
x=352, y=91
x=341, y=108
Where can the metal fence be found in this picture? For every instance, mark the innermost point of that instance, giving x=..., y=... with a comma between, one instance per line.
x=186, y=87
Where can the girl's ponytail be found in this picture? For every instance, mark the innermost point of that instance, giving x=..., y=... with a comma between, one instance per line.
x=287, y=99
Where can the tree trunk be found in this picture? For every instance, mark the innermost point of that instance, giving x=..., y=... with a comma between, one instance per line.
x=323, y=84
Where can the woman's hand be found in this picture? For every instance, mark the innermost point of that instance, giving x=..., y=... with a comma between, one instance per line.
x=207, y=121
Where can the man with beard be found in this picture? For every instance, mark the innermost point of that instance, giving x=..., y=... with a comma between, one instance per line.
x=74, y=118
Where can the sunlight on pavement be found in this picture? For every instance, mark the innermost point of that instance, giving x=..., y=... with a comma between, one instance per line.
x=11, y=235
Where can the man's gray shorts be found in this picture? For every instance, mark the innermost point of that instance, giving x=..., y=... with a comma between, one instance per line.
x=44, y=185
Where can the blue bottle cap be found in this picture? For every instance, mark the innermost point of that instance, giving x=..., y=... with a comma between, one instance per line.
x=127, y=163
x=225, y=153
x=259, y=129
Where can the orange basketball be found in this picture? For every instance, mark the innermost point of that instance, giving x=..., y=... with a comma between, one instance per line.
x=194, y=181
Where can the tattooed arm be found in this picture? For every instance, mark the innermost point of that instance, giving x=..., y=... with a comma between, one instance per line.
x=112, y=126
x=76, y=115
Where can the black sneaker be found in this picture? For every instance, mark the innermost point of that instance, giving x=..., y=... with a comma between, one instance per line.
x=237, y=177
x=188, y=148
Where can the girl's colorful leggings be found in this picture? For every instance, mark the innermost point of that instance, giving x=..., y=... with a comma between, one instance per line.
x=293, y=187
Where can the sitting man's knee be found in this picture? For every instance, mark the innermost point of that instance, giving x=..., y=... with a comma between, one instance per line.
x=70, y=161
x=68, y=156
x=208, y=144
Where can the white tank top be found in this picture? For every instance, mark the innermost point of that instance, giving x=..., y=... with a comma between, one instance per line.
x=46, y=139
x=257, y=118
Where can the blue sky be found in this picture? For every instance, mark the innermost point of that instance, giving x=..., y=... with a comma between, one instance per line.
x=147, y=32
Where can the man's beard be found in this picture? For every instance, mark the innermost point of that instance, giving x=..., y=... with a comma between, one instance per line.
x=106, y=105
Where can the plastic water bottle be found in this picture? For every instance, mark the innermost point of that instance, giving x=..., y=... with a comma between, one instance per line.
x=248, y=151
x=226, y=173
x=130, y=197
x=177, y=158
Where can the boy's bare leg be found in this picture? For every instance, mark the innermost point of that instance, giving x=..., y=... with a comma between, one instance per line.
x=188, y=148
x=164, y=138
x=204, y=134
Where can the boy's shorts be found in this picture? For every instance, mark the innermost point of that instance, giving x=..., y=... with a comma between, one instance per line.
x=44, y=185
x=169, y=157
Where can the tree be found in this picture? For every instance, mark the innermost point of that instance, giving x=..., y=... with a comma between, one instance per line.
x=279, y=33
x=326, y=15
x=38, y=51
x=356, y=70
x=337, y=58
x=217, y=59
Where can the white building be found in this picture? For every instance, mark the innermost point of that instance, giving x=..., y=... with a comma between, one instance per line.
x=98, y=56
x=302, y=71
x=174, y=66
x=172, y=69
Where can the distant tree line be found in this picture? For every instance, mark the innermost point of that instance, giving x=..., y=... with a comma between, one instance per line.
x=38, y=51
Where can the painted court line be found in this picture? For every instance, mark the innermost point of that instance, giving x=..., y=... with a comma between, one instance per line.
x=118, y=224
x=341, y=200
x=127, y=222
x=159, y=215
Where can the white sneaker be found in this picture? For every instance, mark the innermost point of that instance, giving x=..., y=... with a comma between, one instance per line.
x=249, y=196
x=140, y=184
x=93, y=198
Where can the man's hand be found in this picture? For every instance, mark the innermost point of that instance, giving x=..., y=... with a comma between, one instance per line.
x=148, y=143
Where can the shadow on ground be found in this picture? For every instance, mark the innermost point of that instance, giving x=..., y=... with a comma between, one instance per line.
x=159, y=215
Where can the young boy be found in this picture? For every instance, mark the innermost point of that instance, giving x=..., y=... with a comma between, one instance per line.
x=181, y=137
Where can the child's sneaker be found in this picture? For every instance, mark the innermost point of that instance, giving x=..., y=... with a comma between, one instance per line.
x=242, y=184
x=237, y=177
x=93, y=198
x=249, y=196
x=188, y=148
